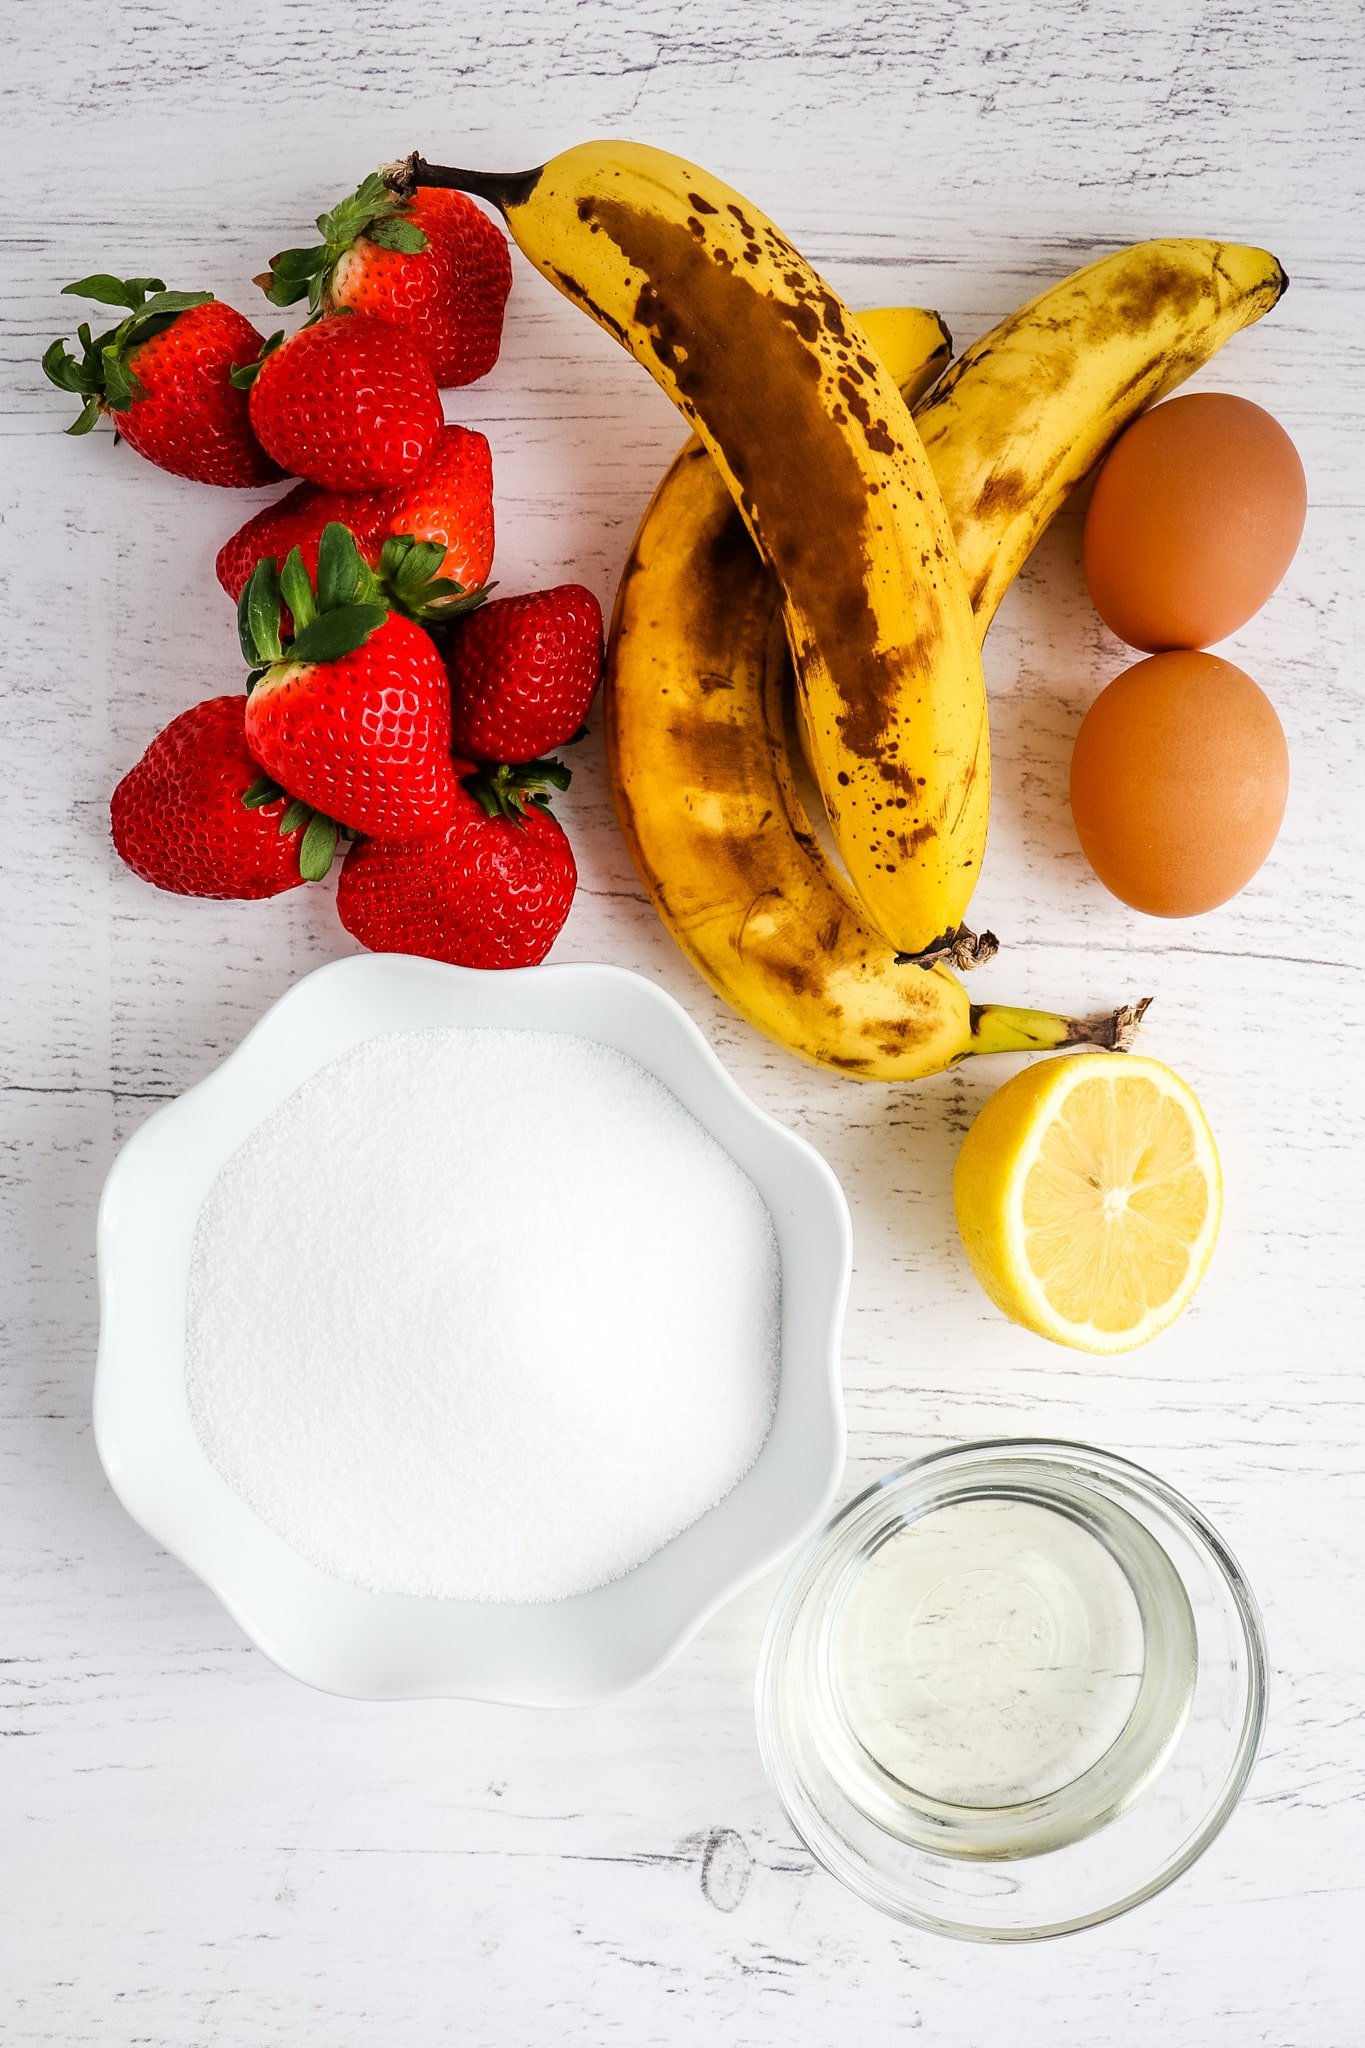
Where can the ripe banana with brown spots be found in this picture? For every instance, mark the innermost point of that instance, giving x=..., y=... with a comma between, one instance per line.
x=695, y=713
x=815, y=445
x=694, y=701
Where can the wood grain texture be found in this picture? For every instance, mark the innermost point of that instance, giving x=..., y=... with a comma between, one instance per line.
x=197, y=1851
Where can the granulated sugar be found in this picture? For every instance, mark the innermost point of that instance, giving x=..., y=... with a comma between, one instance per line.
x=482, y=1313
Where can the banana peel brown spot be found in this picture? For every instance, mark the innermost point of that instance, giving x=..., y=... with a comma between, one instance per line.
x=1158, y=287
x=803, y=318
x=1007, y=491
x=857, y=404
x=907, y=844
x=848, y=1063
x=572, y=289
x=894, y=771
x=832, y=314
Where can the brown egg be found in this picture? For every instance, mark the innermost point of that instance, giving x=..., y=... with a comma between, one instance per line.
x=1178, y=783
x=1194, y=519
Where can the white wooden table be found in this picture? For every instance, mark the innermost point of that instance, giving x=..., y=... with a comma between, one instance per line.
x=195, y=1850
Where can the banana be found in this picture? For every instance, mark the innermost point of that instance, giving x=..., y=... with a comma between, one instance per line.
x=694, y=724
x=1028, y=410
x=812, y=438
x=695, y=738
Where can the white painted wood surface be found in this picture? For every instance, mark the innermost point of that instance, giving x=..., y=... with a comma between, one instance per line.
x=195, y=1850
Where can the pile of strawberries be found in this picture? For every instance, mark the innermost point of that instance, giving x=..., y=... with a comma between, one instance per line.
x=389, y=703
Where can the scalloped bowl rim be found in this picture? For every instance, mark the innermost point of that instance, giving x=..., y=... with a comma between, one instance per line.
x=382, y=1646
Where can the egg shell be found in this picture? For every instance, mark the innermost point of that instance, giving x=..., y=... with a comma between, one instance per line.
x=1179, y=779
x=1194, y=519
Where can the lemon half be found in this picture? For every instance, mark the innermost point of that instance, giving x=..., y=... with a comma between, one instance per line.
x=1088, y=1194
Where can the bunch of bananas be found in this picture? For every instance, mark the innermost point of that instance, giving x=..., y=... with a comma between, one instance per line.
x=878, y=546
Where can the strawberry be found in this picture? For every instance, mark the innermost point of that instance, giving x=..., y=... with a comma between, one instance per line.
x=194, y=817
x=165, y=375
x=491, y=890
x=352, y=713
x=347, y=402
x=523, y=672
x=297, y=520
x=431, y=264
x=448, y=501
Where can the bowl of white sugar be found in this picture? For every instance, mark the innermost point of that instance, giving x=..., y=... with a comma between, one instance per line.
x=472, y=1335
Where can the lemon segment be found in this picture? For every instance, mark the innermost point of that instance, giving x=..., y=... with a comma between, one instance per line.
x=1088, y=1196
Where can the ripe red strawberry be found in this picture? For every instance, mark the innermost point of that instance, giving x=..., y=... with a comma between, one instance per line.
x=179, y=820
x=352, y=714
x=348, y=403
x=448, y=501
x=432, y=264
x=165, y=375
x=523, y=672
x=492, y=890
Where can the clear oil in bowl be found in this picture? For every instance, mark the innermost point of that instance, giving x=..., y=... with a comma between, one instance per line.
x=1002, y=1673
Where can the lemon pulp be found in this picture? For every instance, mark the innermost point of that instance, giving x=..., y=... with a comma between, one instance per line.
x=1088, y=1196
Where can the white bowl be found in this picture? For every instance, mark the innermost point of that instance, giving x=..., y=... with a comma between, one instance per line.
x=397, y=1646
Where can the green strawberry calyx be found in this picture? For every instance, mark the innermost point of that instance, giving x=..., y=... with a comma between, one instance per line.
x=374, y=211
x=511, y=792
x=102, y=376
x=331, y=614
x=336, y=612
x=243, y=375
x=408, y=575
x=320, y=833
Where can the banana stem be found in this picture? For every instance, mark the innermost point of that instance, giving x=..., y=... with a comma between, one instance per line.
x=500, y=188
x=997, y=1028
x=962, y=949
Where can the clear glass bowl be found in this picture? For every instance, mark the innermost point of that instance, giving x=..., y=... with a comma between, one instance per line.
x=1011, y=1690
